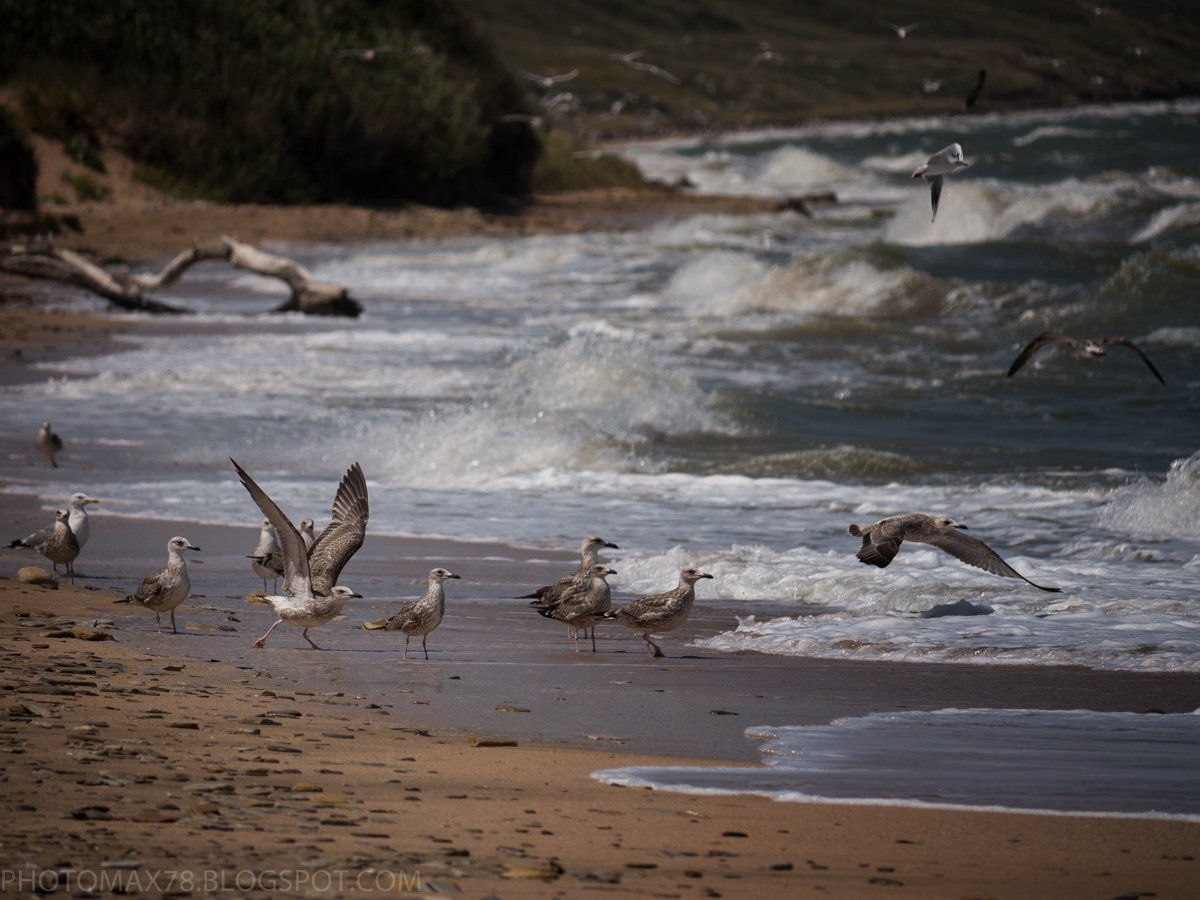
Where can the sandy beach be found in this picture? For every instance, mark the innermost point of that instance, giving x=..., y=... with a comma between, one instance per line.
x=144, y=757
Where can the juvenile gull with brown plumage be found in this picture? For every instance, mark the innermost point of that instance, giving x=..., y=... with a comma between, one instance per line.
x=167, y=588
x=881, y=542
x=550, y=596
x=583, y=603
x=424, y=615
x=1085, y=348
x=77, y=519
x=658, y=613
x=310, y=595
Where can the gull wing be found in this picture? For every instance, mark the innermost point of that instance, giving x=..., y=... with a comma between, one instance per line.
x=1126, y=342
x=878, y=553
x=150, y=589
x=344, y=534
x=935, y=192
x=1040, y=342
x=296, y=579
x=975, y=552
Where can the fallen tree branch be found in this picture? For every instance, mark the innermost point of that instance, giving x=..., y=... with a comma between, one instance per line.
x=308, y=294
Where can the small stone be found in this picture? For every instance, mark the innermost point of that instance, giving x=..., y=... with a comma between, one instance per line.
x=37, y=575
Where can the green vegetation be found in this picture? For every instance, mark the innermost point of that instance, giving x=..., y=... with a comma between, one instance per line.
x=360, y=100
x=563, y=166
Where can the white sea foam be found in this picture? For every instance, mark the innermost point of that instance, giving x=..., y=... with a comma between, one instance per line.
x=1184, y=215
x=1170, y=507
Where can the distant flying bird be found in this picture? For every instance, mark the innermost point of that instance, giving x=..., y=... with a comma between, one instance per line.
x=881, y=542
x=548, y=81
x=946, y=161
x=167, y=588
x=48, y=442
x=310, y=595
x=658, y=613
x=766, y=54
x=973, y=96
x=931, y=85
x=903, y=30
x=631, y=60
x=1094, y=347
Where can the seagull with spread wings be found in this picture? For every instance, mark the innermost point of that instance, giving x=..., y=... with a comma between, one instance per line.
x=1094, y=347
x=311, y=595
x=881, y=542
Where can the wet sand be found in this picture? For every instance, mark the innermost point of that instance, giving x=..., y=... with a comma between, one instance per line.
x=195, y=756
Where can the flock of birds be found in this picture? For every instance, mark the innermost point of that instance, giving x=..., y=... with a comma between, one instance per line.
x=311, y=565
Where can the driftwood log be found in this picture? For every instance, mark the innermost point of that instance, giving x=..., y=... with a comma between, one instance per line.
x=309, y=295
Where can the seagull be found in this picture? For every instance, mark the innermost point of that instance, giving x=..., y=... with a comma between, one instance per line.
x=660, y=612
x=76, y=517
x=584, y=603
x=631, y=60
x=973, y=95
x=48, y=442
x=266, y=560
x=167, y=588
x=306, y=533
x=881, y=543
x=903, y=30
x=766, y=54
x=310, y=596
x=548, y=81
x=1085, y=347
x=946, y=161
x=424, y=615
x=551, y=595
x=61, y=545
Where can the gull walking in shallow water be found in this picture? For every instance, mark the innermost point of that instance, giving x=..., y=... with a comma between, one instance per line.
x=77, y=518
x=267, y=560
x=550, y=596
x=310, y=595
x=584, y=603
x=167, y=588
x=48, y=442
x=946, y=161
x=660, y=612
x=1084, y=347
x=424, y=615
x=881, y=542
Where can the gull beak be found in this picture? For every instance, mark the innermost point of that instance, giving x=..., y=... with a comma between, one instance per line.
x=963, y=527
x=611, y=545
x=192, y=547
x=705, y=575
x=456, y=576
x=92, y=500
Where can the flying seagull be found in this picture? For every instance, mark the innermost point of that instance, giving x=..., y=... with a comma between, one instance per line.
x=1084, y=347
x=660, y=612
x=882, y=540
x=167, y=588
x=903, y=30
x=548, y=81
x=311, y=596
x=946, y=161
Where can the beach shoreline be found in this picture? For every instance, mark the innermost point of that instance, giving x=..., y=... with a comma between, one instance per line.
x=153, y=753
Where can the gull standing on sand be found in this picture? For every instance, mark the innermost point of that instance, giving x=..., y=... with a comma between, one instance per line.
x=167, y=588
x=1086, y=348
x=584, y=603
x=660, y=612
x=420, y=616
x=77, y=518
x=881, y=542
x=61, y=545
x=266, y=560
x=48, y=442
x=549, y=596
x=310, y=595
x=946, y=161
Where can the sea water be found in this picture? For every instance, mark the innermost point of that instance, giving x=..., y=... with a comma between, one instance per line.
x=732, y=392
